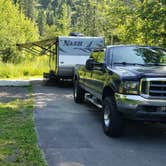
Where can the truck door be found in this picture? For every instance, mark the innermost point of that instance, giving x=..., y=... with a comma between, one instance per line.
x=85, y=77
x=98, y=75
x=87, y=74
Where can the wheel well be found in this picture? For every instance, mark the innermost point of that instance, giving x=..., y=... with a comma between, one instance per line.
x=108, y=91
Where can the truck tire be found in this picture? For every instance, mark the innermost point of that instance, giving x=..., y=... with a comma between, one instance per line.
x=113, y=122
x=78, y=93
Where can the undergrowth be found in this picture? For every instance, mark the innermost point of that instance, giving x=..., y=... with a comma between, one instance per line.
x=26, y=69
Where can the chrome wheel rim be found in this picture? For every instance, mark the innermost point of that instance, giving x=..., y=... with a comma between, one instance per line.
x=107, y=116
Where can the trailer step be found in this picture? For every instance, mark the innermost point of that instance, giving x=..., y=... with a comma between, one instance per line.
x=93, y=100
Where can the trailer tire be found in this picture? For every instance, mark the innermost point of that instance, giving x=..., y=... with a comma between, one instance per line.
x=50, y=79
x=113, y=122
x=78, y=93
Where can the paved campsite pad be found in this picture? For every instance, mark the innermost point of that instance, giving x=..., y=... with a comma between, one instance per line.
x=11, y=93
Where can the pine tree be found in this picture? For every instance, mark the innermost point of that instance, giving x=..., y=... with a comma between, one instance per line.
x=41, y=22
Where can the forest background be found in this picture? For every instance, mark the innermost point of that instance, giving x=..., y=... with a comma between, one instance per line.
x=119, y=21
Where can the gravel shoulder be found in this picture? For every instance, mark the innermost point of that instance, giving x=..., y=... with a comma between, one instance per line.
x=10, y=93
x=18, y=141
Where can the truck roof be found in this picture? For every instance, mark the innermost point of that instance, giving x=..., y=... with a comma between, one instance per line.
x=130, y=45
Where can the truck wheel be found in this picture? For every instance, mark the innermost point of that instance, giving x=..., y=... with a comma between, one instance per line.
x=113, y=123
x=78, y=93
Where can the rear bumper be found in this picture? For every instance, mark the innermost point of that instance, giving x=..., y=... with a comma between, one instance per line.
x=139, y=108
x=65, y=72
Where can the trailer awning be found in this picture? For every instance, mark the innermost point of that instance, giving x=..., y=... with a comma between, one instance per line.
x=42, y=47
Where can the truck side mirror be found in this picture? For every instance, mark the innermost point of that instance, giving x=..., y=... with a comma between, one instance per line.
x=89, y=64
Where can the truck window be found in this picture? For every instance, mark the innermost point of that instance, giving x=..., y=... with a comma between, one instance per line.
x=94, y=55
x=141, y=55
x=98, y=56
x=101, y=57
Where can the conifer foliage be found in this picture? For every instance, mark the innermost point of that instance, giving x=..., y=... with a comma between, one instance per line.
x=119, y=21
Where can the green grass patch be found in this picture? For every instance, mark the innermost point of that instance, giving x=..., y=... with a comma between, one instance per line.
x=18, y=141
x=29, y=68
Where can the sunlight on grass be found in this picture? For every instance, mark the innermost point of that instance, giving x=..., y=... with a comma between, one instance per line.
x=18, y=141
x=29, y=68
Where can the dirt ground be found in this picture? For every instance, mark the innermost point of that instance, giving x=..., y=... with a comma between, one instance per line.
x=8, y=94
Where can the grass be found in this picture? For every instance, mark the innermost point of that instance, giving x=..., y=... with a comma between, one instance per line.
x=18, y=141
x=27, y=69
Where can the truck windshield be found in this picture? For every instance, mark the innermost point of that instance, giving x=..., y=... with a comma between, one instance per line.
x=128, y=55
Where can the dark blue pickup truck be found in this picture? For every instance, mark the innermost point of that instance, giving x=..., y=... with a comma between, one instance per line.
x=126, y=81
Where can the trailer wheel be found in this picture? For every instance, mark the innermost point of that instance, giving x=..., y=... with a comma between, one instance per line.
x=50, y=79
x=113, y=122
x=78, y=93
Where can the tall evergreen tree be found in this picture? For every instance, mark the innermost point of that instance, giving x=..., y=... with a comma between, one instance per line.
x=41, y=22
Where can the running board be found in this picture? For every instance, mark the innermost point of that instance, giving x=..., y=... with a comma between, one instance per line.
x=93, y=101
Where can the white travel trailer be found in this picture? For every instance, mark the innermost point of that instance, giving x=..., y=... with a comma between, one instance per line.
x=65, y=52
x=74, y=50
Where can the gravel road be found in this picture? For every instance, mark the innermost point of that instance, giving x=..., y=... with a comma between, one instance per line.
x=70, y=134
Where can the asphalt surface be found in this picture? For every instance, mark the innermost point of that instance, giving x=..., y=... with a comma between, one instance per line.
x=71, y=134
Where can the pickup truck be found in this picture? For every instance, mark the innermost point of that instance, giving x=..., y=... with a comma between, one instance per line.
x=126, y=82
